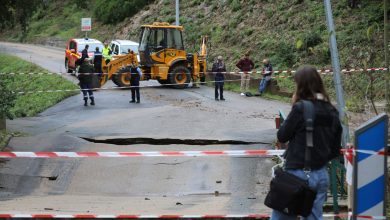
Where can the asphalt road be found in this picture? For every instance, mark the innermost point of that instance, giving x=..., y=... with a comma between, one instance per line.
x=182, y=185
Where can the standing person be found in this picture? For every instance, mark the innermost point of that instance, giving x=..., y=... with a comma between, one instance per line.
x=136, y=75
x=84, y=55
x=326, y=136
x=245, y=65
x=107, y=53
x=97, y=61
x=267, y=73
x=219, y=69
x=85, y=77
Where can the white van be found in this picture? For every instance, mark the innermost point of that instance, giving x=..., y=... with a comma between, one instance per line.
x=120, y=47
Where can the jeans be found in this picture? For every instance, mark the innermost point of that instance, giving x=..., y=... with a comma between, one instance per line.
x=263, y=84
x=219, y=86
x=319, y=181
x=134, y=83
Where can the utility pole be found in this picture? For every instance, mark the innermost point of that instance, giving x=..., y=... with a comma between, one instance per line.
x=336, y=71
x=177, y=13
x=386, y=45
x=340, y=101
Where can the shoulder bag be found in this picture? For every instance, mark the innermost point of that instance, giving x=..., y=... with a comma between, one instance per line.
x=288, y=193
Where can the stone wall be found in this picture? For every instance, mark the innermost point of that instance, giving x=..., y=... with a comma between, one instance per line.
x=273, y=87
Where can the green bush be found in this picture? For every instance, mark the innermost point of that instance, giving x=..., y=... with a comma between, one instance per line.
x=114, y=11
x=8, y=97
x=235, y=5
x=309, y=40
x=285, y=54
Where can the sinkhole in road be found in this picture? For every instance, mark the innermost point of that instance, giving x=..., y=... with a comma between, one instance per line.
x=168, y=141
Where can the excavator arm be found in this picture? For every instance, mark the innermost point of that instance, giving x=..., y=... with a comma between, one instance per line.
x=202, y=59
x=119, y=62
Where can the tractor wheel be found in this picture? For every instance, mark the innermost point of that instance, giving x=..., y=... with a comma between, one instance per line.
x=180, y=77
x=163, y=82
x=115, y=79
x=67, y=66
x=122, y=79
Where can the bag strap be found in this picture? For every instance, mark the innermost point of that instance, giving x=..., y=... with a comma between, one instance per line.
x=309, y=116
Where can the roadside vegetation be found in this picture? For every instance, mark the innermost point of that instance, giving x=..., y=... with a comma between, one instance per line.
x=4, y=137
x=53, y=22
x=290, y=33
x=27, y=105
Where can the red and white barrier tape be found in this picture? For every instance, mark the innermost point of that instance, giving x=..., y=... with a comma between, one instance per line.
x=116, y=88
x=156, y=86
x=230, y=153
x=226, y=153
x=322, y=71
x=354, y=151
x=174, y=216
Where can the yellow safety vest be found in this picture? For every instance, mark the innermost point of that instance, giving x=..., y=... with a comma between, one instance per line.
x=106, y=53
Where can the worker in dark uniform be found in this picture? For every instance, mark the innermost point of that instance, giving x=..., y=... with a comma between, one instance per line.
x=85, y=77
x=219, y=70
x=97, y=61
x=136, y=75
x=84, y=55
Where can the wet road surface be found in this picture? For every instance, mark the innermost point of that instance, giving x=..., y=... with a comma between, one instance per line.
x=175, y=185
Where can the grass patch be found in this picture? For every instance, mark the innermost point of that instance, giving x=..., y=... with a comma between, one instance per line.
x=4, y=138
x=236, y=87
x=28, y=105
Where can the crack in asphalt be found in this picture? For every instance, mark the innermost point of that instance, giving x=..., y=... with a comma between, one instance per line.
x=169, y=141
x=52, y=178
x=171, y=164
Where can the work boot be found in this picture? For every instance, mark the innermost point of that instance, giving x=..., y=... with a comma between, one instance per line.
x=92, y=100
x=85, y=101
x=138, y=101
x=222, y=99
x=132, y=101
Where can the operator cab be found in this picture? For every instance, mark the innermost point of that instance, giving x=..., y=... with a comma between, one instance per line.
x=160, y=43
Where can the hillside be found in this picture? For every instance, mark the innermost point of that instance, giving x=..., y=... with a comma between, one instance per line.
x=290, y=33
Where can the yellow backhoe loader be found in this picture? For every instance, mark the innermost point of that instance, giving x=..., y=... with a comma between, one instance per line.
x=162, y=57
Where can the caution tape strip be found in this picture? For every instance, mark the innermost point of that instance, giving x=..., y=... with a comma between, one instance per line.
x=175, y=84
x=228, y=153
x=174, y=216
x=140, y=154
x=322, y=71
x=116, y=88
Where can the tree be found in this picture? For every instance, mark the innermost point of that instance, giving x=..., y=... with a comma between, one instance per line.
x=114, y=11
x=18, y=11
x=6, y=15
x=7, y=100
x=24, y=10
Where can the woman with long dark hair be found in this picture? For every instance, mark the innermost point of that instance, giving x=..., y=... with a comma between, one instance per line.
x=326, y=135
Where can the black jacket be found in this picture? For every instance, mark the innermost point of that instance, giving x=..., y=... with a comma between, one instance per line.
x=267, y=69
x=97, y=62
x=86, y=68
x=327, y=136
x=219, y=69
